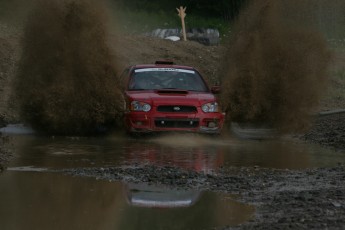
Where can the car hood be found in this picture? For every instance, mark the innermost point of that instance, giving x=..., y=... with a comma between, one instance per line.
x=165, y=97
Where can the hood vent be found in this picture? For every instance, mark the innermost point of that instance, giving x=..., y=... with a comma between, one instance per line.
x=172, y=91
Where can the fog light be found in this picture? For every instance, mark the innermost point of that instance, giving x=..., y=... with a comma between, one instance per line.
x=212, y=124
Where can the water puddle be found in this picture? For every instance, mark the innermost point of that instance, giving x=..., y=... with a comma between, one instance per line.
x=31, y=196
x=192, y=152
x=36, y=200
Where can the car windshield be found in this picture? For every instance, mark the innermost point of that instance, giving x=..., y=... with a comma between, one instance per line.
x=166, y=78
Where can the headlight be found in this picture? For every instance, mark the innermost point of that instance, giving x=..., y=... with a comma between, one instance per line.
x=210, y=107
x=140, y=106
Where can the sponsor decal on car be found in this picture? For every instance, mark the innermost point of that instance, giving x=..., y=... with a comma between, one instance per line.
x=164, y=69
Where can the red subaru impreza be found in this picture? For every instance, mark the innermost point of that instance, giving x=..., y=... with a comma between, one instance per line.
x=167, y=97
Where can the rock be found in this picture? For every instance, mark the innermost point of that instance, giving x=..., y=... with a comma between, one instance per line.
x=173, y=38
x=208, y=36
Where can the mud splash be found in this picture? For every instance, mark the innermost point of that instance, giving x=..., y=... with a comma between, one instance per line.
x=66, y=82
x=275, y=72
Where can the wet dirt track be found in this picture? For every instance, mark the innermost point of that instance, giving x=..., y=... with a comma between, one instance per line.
x=289, y=184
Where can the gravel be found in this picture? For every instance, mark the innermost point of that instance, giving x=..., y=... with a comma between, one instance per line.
x=328, y=130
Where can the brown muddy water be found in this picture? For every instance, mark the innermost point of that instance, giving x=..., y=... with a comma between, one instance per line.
x=31, y=198
x=51, y=201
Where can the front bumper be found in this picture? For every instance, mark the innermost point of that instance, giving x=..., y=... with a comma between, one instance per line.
x=142, y=122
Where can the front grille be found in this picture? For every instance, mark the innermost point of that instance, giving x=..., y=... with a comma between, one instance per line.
x=176, y=109
x=176, y=123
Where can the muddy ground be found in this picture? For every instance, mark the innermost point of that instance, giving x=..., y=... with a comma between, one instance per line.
x=301, y=199
x=284, y=199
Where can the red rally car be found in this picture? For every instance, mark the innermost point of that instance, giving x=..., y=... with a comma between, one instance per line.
x=167, y=97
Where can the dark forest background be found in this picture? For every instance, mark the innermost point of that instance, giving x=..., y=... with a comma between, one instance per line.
x=225, y=9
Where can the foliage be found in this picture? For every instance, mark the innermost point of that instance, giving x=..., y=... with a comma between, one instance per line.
x=219, y=8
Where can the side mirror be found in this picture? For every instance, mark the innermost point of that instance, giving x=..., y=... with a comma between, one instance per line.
x=215, y=89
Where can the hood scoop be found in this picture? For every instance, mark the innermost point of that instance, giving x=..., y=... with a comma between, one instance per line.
x=172, y=92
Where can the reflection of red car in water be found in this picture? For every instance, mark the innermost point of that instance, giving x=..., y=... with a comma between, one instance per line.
x=167, y=97
x=198, y=159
